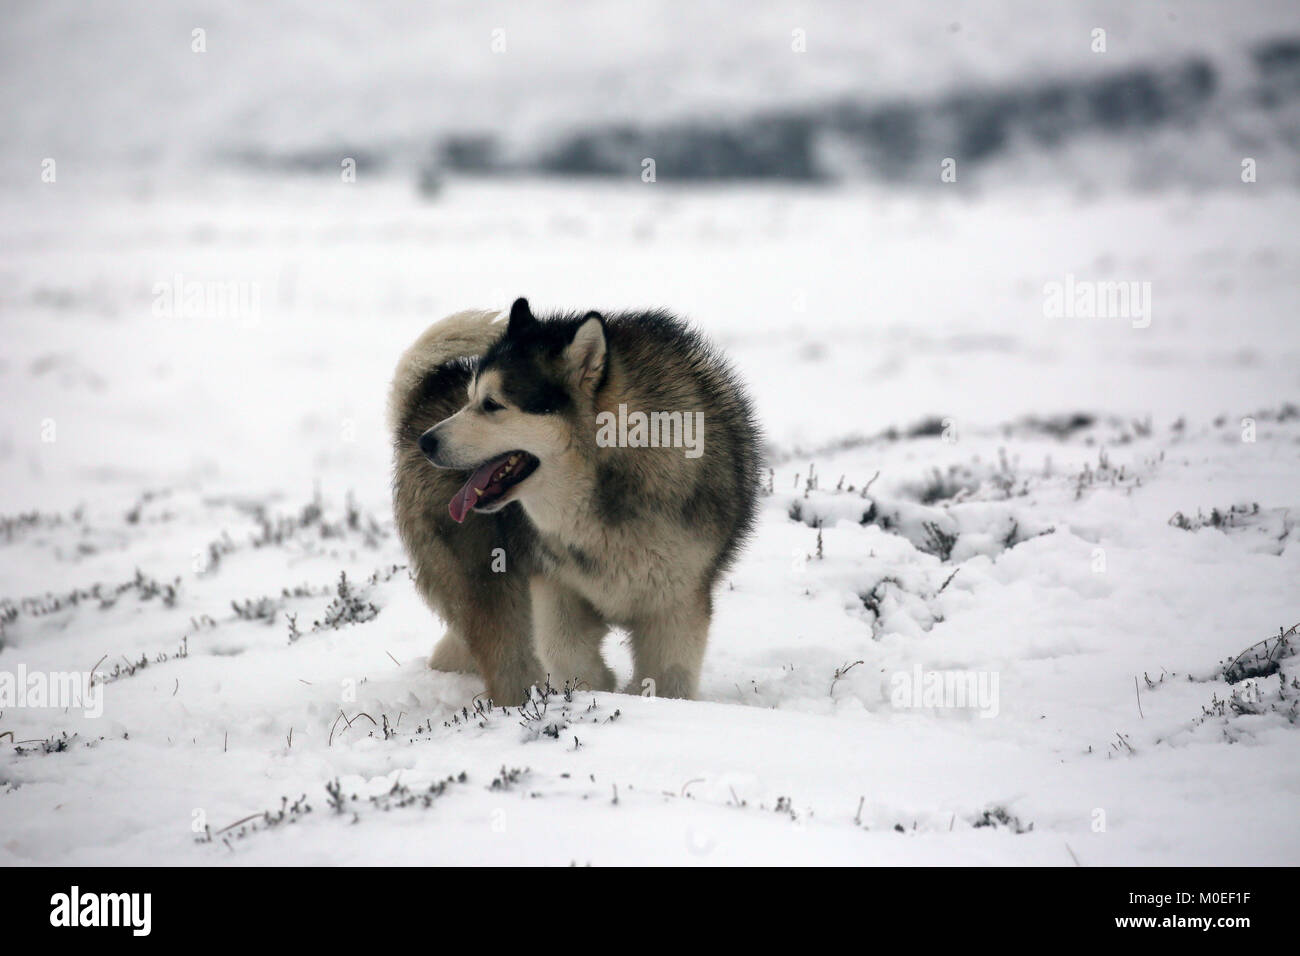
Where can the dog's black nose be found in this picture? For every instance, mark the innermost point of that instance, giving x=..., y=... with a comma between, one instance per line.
x=429, y=444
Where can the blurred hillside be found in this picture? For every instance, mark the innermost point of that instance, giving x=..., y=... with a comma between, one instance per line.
x=712, y=90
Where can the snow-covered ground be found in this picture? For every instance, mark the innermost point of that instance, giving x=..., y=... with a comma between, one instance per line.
x=1084, y=516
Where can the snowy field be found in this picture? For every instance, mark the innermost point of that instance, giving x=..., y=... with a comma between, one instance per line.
x=1086, y=516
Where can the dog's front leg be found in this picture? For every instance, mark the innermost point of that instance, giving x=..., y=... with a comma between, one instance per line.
x=501, y=644
x=568, y=633
x=668, y=650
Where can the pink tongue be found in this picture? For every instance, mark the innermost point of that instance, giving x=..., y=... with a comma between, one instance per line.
x=465, y=499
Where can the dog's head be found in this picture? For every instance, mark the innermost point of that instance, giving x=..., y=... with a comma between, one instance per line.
x=530, y=393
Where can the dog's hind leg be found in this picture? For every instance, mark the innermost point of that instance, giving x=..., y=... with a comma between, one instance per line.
x=668, y=650
x=569, y=633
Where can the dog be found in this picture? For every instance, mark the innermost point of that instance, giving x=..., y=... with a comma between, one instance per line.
x=559, y=476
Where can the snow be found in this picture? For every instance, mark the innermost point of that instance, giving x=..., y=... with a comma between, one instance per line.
x=240, y=451
x=1077, y=520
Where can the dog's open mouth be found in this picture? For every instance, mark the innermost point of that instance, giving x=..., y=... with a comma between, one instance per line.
x=490, y=482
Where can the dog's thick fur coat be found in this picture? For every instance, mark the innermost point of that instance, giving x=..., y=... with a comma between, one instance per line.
x=634, y=537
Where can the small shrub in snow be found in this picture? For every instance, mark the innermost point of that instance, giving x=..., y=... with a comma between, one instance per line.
x=146, y=588
x=1057, y=426
x=872, y=599
x=51, y=745
x=956, y=481
x=312, y=524
x=402, y=796
x=1278, y=696
x=263, y=609
x=937, y=541
x=129, y=668
x=1264, y=658
x=133, y=515
x=288, y=813
x=507, y=779
x=348, y=607
x=999, y=817
x=1232, y=517
x=15, y=526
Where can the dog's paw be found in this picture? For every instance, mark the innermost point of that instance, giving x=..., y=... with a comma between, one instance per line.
x=452, y=654
x=602, y=680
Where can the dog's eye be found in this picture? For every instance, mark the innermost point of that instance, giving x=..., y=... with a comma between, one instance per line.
x=491, y=405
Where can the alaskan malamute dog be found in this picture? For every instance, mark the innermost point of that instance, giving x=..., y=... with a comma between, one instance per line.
x=556, y=477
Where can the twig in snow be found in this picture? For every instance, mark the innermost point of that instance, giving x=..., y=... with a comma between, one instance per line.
x=840, y=672
x=252, y=816
x=96, y=667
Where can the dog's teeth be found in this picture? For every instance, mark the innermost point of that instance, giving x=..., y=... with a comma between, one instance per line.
x=479, y=492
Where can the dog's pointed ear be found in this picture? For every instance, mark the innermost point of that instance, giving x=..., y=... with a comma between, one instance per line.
x=584, y=357
x=521, y=316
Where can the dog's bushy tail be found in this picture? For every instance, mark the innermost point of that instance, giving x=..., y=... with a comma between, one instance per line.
x=463, y=335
